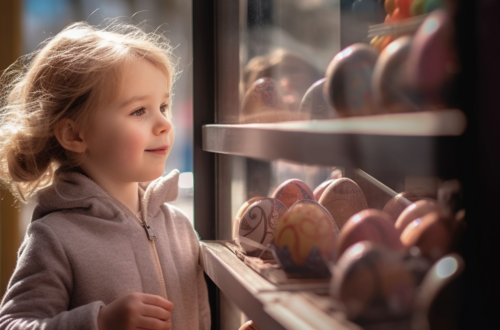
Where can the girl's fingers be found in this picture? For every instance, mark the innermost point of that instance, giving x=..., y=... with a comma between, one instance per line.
x=155, y=312
x=150, y=299
x=149, y=323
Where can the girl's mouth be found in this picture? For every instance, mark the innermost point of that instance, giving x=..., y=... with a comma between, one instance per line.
x=158, y=151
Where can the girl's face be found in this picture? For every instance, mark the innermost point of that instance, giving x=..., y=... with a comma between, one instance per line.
x=131, y=138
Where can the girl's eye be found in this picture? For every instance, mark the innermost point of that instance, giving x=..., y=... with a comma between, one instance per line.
x=138, y=112
x=164, y=108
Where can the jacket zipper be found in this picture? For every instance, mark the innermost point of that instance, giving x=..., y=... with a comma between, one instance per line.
x=151, y=237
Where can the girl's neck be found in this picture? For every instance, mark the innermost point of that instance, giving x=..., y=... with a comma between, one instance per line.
x=125, y=192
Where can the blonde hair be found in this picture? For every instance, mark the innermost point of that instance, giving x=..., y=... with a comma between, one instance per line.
x=67, y=77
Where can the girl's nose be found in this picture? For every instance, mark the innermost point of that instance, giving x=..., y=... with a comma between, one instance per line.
x=163, y=125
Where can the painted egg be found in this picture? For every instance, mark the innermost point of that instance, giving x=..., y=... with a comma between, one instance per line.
x=241, y=211
x=348, y=80
x=431, y=234
x=369, y=225
x=404, y=7
x=415, y=211
x=258, y=223
x=263, y=103
x=398, y=203
x=343, y=198
x=321, y=188
x=373, y=284
x=314, y=104
x=291, y=191
x=306, y=226
x=389, y=93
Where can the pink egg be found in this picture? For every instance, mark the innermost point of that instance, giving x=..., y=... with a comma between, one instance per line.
x=321, y=188
x=369, y=225
x=257, y=225
x=348, y=81
x=415, y=211
x=291, y=191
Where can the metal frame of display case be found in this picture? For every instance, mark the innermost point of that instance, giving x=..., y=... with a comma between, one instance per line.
x=475, y=153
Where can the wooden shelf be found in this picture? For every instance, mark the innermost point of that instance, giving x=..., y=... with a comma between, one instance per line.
x=263, y=302
x=424, y=143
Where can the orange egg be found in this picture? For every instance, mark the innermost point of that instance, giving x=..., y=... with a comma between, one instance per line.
x=304, y=227
x=415, y=211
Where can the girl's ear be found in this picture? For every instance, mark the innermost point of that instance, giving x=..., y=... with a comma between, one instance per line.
x=69, y=137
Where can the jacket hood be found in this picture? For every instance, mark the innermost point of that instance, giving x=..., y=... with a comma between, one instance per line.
x=74, y=191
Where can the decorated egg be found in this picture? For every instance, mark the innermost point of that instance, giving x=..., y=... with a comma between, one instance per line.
x=348, y=81
x=389, y=92
x=415, y=211
x=291, y=191
x=432, y=62
x=404, y=7
x=305, y=236
x=398, y=203
x=321, y=188
x=257, y=225
x=369, y=225
x=431, y=234
x=241, y=211
x=343, y=198
x=263, y=103
x=373, y=284
x=314, y=104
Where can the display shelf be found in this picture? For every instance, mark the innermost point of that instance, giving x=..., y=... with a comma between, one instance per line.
x=264, y=303
x=424, y=143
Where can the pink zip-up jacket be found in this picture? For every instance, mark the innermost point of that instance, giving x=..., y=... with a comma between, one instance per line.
x=84, y=249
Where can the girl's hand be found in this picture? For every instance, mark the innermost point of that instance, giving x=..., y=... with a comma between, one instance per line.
x=136, y=311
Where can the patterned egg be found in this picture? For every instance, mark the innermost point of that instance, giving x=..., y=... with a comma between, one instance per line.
x=389, y=93
x=348, y=80
x=258, y=223
x=291, y=191
x=241, y=211
x=314, y=104
x=305, y=226
x=415, y=211
x=263, y=103
x=369, y=225
x=373, y=284
x=321, y=189
x=343, y=198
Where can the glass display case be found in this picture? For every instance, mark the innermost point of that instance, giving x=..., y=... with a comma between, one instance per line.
x=353, y=106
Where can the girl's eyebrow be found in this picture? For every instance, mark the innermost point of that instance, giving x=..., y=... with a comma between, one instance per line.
x=139, y=98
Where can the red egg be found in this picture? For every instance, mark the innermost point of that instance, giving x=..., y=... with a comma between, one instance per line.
x=415, y=211
x=369, y=225
x=291, y=191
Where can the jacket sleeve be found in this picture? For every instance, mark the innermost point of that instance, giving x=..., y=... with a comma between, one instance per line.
x=39, y=292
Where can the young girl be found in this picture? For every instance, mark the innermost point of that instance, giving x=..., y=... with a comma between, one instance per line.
x=83, y=121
